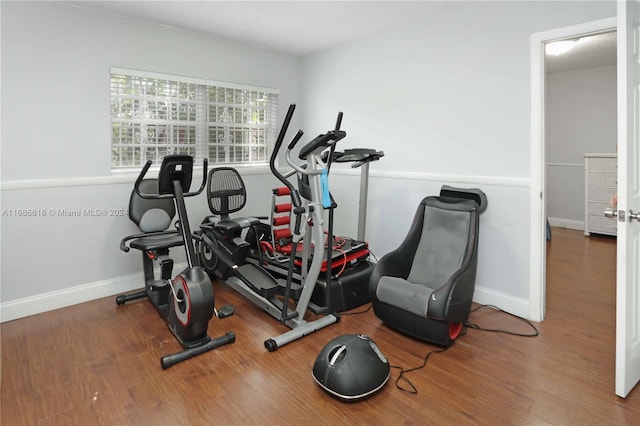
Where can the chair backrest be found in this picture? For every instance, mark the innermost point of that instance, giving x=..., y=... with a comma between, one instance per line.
x=175, y=168
x=447, y=239
x=226, y=192
x=452, y=194
x=151, y=215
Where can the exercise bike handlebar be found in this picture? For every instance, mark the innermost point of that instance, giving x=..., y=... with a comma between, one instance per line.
x=144, y=171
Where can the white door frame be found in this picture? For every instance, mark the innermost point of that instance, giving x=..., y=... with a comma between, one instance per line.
x=537, y=238
x=627, y=271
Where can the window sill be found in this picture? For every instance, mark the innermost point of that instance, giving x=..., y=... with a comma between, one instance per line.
x=116, y=178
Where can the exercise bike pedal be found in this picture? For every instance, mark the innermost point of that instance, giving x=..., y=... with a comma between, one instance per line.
x=157, y=284
x=225, y=311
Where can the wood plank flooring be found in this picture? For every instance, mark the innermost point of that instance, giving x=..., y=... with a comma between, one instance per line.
x=98, y=364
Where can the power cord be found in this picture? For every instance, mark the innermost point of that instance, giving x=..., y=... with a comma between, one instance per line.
x=411, y=387
x=358, y=312
x=408, y=386
x=477, y=327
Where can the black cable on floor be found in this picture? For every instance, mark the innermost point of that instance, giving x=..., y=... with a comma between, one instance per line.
x=358, y=312
x=477, y=327
x=412, y=389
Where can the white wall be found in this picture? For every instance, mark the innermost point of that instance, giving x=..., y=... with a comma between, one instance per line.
x=448, y=100
x=56, y=142
x=580, y=118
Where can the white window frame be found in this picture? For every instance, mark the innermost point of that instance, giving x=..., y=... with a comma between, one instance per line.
x=227, y=123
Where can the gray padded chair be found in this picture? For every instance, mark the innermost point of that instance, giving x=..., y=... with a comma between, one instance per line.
x=425, y=287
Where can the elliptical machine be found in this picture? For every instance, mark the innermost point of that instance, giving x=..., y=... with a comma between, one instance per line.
x=222, y=256
x=187, y=302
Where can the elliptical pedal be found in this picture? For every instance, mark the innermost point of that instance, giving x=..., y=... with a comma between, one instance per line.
x=261, y=282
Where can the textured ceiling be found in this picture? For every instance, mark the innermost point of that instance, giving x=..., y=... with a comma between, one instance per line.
x=293, y=27
x=589, y=51
x=303, y=27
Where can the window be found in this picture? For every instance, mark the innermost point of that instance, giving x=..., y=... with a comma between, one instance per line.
x=154, y=115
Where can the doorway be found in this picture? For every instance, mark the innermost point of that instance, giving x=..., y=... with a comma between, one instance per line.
x=580, y=122
x=538, y=191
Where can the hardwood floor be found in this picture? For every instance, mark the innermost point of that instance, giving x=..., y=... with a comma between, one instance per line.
x=98, y=363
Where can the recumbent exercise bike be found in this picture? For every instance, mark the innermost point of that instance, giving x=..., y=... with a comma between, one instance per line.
x=187, y=302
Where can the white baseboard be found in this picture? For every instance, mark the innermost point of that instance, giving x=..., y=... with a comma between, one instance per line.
x=514, y=305
x=45, y=302
x=566, y=223
x=20, y=308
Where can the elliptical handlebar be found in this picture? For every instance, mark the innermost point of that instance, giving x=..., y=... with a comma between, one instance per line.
x=144, y=195
x=317, y=145
x=295, y=196
x=339, y=122
x=295, y=139
x=323, y=141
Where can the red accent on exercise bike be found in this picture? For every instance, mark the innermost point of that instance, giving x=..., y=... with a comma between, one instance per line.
x=180, y=315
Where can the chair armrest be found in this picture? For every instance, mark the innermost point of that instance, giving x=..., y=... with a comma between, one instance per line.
x=451, y=302
x=396, y=263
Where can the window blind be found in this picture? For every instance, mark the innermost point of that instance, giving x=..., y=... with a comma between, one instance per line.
x=154, y=115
